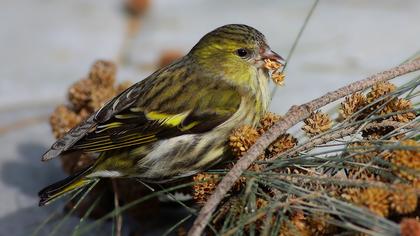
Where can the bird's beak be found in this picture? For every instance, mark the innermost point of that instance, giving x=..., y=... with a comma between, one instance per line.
x=269, y=54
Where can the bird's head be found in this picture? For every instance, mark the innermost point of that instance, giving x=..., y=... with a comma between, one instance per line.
x=235, y=51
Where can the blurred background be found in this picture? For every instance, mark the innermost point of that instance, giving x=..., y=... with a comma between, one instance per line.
x=48, y=45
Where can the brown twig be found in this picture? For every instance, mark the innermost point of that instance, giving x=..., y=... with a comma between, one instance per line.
x=292, y=117
x=341, y=181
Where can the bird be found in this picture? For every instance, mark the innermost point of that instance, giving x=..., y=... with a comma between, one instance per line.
x=175, y=122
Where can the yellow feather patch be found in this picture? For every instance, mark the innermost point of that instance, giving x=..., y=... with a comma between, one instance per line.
x=189, y=126
x=167, y=119
x=112, y=125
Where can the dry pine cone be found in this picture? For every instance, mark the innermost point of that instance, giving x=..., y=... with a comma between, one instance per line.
x=317, y=123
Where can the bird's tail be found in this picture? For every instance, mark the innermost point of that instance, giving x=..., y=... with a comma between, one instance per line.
x=65, y=186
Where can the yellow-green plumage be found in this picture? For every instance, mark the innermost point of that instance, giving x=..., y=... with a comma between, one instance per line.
x=175, y=122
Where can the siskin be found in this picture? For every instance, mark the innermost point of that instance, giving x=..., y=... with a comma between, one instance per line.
x=175, y=122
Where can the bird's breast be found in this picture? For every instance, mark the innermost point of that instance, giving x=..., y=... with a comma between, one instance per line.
x=255, y=102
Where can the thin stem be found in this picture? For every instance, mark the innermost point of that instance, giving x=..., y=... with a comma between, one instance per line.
x=118, y=217
x=295, y=43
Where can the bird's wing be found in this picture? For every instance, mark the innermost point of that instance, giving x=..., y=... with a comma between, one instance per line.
x=162, y=106
x=114, y=106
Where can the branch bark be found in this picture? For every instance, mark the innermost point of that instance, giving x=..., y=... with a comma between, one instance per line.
x=292, y=117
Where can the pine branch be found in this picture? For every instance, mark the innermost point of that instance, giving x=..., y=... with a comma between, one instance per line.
x=340, y=133
x=292, y=117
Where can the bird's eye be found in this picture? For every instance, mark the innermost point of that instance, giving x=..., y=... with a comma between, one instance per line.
x=242, y=52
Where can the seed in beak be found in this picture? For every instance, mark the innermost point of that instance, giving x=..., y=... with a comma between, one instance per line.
x=272, y=56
